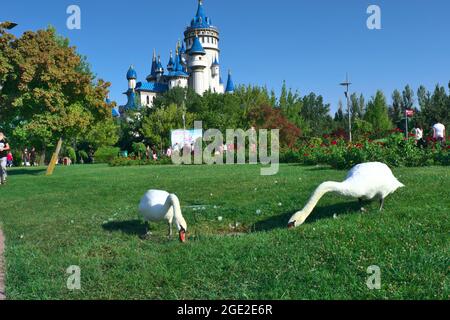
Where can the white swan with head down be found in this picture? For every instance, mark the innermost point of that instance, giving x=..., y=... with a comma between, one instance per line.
x=157, y=205
x=365, y=181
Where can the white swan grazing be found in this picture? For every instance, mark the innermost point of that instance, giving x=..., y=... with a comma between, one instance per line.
x=157, y=205
x=365, y=181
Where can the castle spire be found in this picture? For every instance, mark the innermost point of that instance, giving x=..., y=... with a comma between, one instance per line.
x=171, y=63
x=230, y=83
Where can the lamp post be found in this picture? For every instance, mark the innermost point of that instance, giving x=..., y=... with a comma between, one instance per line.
x=346, y=84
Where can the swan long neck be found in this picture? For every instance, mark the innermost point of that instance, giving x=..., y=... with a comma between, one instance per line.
x=324, y=188
x=179, y=219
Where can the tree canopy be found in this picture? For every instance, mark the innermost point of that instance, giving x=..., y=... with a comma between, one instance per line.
x=48, y=89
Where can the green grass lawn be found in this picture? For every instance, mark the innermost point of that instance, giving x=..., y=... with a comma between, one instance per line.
x=87, y=216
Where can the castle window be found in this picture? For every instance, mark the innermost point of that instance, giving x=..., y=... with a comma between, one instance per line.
x=148, y=100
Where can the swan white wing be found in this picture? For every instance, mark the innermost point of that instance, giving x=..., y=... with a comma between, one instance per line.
x=153, y=205
x=372, y=179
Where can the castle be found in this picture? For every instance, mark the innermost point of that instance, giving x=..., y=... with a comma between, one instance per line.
x=195, y=65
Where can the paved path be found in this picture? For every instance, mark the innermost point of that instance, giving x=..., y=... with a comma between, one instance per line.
x=2, y=267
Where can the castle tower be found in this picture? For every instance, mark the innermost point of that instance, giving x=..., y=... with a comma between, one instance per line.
x=131, y=92
x=131, y=77
x=197, y=65
x=208, y=37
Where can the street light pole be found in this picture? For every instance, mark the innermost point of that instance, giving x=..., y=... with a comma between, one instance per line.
x=346, y=85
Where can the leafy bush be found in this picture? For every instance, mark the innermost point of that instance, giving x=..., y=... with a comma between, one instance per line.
x=70, y=152
x=82, y=155
x=128, y=162
x=395, y=151
x=106, y=154
x=140, y=150
x=17, y=158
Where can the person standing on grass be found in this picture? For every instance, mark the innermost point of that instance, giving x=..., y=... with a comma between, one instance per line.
x=9, y=160
x=439, y=132
x=4, y=148
x=418, y=135
x=25, y=156
x=33, y=156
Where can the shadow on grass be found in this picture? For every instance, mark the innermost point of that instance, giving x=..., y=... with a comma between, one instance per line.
x=327, y=212
x=131, y=227
x=31, y=172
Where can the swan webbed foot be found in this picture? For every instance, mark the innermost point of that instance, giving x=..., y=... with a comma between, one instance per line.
x=147, y=235
x=381, y=204
x=361, y=205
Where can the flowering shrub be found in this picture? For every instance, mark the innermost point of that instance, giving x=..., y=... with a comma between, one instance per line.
x=395, y=150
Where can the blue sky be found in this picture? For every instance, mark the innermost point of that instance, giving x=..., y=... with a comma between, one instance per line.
x=310, y=44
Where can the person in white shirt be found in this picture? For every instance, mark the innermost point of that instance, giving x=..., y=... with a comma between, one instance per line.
x=439, y=132
x=418, y=135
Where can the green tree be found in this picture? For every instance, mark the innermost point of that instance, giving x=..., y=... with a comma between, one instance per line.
x=356, y=106
x=157, y=126
x=377, y=113
x=408, y=98
x=103, y=133
x=339, y=118
x=395, y=111
x=317, y=115
x=49, y=93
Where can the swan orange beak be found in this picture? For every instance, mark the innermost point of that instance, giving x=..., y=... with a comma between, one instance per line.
x=291, y=225
x=182, y=236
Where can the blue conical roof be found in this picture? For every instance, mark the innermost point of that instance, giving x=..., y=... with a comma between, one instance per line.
x=171, y=63
x=215, y=63
x=178, y=70
x=131, y=74
x=200, y=20
x=197, y=47
x=154, y=65
x=159, y=67
x=230, y=84
x=183, y=48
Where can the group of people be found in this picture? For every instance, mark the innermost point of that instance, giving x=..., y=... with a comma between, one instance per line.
x=439, y=134
x=29, y=157
x=151, y=154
